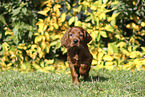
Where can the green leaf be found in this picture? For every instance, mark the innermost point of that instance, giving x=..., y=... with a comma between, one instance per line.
x=103, y=33
x=24, y=10
x=16, y=40
x=16, y=11
x=47, y=48
x=94, y=6
x=38, y=38
x=108, y=58
x=42, y=64
x=78, y=23
x=124, y=51
x=64, y=50
x=58, y=45
x=97, y=20
x=109, y=28
x=53, y=43
x=67, y=5
x=30, y=34
x=71, y=20
x=98, y=37
x=77, y=9
x=36, y=66
x=88, y=19
x=16, y=28
x=2, y=19
x=63, y=16
x=121, y=44
x=2, y=51
x=0, y=35
x=130, y=48
x=105, y=1
x=113, y=22
x=112, y=48
x=135, y=47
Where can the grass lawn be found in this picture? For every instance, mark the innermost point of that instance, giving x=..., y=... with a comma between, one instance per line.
x=102, y=83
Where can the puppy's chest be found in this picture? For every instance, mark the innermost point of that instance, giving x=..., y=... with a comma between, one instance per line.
x=77, y=59
x=75, y=56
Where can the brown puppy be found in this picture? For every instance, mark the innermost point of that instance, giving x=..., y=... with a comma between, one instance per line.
x=79, y=58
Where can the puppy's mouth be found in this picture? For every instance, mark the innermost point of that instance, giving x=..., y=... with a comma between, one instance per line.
x=74, y=44
x=78, y=45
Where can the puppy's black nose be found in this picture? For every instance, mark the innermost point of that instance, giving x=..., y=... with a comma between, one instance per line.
x=75, y=41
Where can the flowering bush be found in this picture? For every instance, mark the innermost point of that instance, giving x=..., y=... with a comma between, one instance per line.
x=117, y=36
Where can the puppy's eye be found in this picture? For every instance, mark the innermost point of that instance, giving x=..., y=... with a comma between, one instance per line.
x=70, y=34
x=81, y=35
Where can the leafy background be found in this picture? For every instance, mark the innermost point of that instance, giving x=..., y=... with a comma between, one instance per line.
x=30, y=33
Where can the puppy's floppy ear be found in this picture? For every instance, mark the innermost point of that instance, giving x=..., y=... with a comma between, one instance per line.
x=65, y=39
x=87, y=37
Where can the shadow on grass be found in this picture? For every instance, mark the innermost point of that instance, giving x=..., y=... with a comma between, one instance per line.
x=95, y=78
x=98, y=78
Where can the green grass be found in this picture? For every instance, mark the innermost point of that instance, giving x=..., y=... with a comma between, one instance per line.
x=102, y=83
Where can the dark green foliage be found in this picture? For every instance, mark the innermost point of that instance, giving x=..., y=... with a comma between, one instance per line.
x=132, y=11
x=30, y=41
x=20, y=17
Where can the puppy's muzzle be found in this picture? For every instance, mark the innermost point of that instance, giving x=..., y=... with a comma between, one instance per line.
x=75, y=41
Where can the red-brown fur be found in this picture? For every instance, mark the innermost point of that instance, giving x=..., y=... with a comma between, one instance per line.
x=79, y=58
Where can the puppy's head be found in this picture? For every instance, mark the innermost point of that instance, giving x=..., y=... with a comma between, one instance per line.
x=75, y=37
